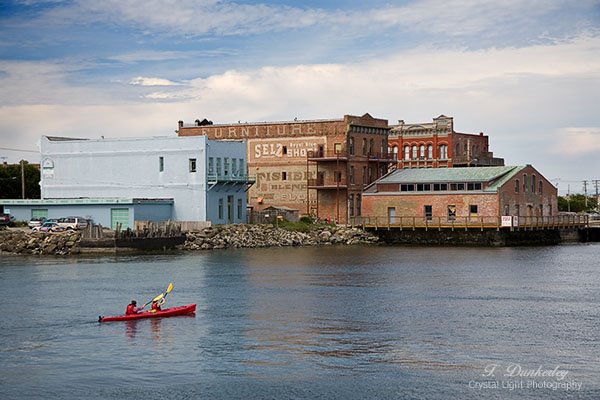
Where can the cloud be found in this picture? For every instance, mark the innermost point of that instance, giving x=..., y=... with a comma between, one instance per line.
x=576, y=141
x=192, y=17
x=145, y=81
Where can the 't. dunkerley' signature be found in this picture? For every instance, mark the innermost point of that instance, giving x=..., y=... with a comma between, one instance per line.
x=516, y=370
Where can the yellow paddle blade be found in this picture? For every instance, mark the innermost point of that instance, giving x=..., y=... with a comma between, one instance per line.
x=170, y=287
x=157, y=298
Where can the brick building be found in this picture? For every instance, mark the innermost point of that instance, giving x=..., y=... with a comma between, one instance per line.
x=319, y=167
x=437, y=145
x=454, y=195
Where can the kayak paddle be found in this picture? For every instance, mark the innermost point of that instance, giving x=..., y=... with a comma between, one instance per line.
x=160, y=296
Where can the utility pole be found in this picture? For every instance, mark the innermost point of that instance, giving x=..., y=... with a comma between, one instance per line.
x=597, y=197
x=585, y=194
x=22, y=179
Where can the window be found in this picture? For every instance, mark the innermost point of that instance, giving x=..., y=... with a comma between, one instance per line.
x=443, y=152
x=284, y=176
x=428, y=211
x=234, y=167
x=540, y=187
x=422, y=152
x=352, y=174
x=337, y=176
x=473, y=210
x=239, y=209
x=351, y=146
x=192, y=164
x=429, y=151
x=423, y=187
x=241, y=167
x=371, y=146
x=524, y=183
x=285, y=150
x=407, y=152
x=517, y=209
x=337, y=148
x=532, y=183
x=407, y=187
x=211, y=166
x=414, y=152
x=219, y=167
x=161, y=164
x=395, y=152
x=358, y=204
x=226, y=166
x=351, y=205
x=221, y=208
x=451, y=212
x=516, y=186
x=364, y=147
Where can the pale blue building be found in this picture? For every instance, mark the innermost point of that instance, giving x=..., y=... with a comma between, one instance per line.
x=140, y=179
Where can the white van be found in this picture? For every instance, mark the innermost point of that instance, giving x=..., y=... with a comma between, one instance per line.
x=73, y=223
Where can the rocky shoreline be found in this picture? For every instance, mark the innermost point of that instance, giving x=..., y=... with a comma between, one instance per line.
x=23, y=242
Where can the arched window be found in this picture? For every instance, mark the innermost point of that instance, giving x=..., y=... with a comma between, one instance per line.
x=533, y=184
x=443, y=155
x=395, y=152
x=524, y=183
x=516, y=186
x=422, y=152
x=414, y=152
x=540, y=187
x=407, y=152
x=429, y=151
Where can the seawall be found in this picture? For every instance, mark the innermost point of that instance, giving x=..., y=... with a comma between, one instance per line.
x=474, y=237
x=17, y=241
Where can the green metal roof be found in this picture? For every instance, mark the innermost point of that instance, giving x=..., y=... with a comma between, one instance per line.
x=495, y=176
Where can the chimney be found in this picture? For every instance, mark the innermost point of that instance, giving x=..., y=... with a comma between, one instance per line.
x=180, y=123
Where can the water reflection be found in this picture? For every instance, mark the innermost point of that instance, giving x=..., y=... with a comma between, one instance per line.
x=131, y=328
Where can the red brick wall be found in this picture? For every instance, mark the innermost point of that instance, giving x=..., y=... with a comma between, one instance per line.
x=529, y=203
x=412, y=205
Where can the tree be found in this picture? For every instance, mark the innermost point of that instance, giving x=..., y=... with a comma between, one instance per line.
x=576, y=203
x=10, y=181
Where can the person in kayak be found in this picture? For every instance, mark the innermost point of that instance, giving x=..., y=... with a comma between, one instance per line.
x=156, y=304
x=132, y=308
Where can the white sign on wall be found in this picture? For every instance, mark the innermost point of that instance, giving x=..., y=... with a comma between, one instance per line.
x=506, y=221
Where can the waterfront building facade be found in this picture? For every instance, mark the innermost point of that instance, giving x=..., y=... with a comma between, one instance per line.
x=445, y=196
x=319, y=167
x=195, y=178
x=437, y=145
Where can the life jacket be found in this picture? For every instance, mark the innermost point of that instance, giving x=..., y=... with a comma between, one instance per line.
x=130, y=309
x=155, y=307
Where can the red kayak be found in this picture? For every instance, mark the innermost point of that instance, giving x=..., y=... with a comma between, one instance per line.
x=167, y=312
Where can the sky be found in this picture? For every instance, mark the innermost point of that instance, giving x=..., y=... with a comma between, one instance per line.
x=526, y=73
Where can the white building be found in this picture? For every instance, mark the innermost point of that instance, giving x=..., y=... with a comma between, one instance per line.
x=197, y=178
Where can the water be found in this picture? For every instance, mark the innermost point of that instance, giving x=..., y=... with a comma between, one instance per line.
x=314, y=323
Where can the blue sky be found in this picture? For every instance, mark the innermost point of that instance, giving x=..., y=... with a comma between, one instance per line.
x=527, y=73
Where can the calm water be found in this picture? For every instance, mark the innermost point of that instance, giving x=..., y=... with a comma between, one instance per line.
x=315, y=323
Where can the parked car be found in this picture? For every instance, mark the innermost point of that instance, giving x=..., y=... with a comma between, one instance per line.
x=48, y=227
x=4, y=219
x=33, y=222
x=73, y=223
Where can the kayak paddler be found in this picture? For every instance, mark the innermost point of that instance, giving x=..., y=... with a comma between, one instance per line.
x=156, y=304
x=132, y=308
